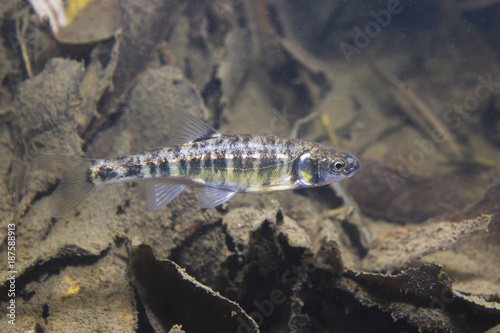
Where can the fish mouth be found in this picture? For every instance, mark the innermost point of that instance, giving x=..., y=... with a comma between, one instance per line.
x=353, y=166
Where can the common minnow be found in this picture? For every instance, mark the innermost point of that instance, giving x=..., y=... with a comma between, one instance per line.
x=219, y=165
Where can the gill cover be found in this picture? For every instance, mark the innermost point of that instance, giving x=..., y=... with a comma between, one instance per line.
x=307, y=171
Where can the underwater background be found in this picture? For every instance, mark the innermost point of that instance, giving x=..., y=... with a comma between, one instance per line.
x=411, y=243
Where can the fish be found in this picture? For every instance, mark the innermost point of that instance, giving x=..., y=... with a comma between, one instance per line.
x=218, y=165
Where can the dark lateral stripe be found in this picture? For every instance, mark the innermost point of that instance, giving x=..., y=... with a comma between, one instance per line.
x=248, y=163
x=207, y=163
x=152, y=168
x=220, y=168
x=183, y=166
x=220, y=164
x=238, y=162
x=164, y=169
x=195, y=166
x=134, y=171
x=266, y=160
x=267, y=165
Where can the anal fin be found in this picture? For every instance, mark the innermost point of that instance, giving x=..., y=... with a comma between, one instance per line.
x=209, y=197
x=161, y=193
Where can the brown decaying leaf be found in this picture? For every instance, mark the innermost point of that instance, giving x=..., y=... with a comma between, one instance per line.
x=171, y=296
x=396, y=252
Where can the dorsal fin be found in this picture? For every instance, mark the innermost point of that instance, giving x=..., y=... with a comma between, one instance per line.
x=187, y=128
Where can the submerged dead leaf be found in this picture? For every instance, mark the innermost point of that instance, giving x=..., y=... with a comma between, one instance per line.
x=398, y=251
x=424, y=297
x=171, y=296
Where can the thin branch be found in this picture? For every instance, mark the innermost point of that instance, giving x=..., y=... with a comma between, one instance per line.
x=431, y=122
x=21, y=32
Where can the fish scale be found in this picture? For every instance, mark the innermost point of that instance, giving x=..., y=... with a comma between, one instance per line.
x=233, y=162
x=220, y=165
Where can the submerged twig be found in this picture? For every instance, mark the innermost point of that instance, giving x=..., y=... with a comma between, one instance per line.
x=327, y=126
x=422, y=114
x=325, y=122
x=21, y=32
x=307, y=119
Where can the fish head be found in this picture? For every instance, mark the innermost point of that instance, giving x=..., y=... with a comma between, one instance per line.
x=325, y=165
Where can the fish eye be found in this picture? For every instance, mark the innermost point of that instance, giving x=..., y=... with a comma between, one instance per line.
x=337, y=165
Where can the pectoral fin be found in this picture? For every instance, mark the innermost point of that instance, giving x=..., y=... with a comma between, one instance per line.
x=209, y=197
x=160, y=194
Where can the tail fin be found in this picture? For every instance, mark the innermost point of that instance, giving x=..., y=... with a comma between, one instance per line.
x=75, y=185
